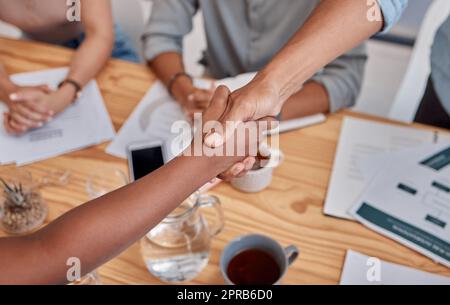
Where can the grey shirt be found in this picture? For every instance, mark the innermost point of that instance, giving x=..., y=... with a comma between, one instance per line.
x=244, y=35
x=440, y=64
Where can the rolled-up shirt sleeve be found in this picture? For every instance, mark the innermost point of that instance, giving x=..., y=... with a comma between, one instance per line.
x=343, y=78
x=169, y=22
x=392, y=11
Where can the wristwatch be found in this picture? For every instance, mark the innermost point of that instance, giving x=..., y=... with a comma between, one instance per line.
x=75, y=84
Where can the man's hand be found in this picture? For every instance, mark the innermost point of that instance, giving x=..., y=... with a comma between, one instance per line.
x=166, y=66
x=197, y=101
x=191, y=98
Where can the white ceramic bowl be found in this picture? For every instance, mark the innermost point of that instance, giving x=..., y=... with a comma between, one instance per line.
x=257, y=180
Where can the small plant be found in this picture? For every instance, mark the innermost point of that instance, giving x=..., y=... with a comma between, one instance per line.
x=23, y=209
x=15, y=196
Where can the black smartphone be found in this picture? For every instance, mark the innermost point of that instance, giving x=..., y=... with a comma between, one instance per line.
x=144, y=158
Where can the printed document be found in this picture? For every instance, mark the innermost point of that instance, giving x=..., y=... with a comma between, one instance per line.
x=363, y=140
x=408, y=200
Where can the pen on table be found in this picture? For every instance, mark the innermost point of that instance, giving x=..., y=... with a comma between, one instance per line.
x=294, y=124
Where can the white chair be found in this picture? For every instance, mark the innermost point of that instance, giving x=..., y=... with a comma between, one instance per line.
x=194, y=44
x=414, y=83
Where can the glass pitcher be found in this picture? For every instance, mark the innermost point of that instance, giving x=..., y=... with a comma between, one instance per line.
x=178, y=248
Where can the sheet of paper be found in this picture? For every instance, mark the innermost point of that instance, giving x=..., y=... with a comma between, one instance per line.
x=360, y=269
x=83, y=124
x=360, y=140
x=153, y=118
x=370, y=165
x=408, y=200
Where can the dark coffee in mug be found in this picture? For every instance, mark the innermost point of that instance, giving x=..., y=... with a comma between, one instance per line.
x=253, y=267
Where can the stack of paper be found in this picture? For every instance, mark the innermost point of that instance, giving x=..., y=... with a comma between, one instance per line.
x=83, y=124
x=396, y=181
x=408, y=200
x=360, y=269
x=363, y=142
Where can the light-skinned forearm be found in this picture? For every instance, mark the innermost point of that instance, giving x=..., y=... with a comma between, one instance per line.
x=312, y=99
x=96, y=49
x=99, y=230
x=165, y=66
x=333, y=28
x=86, y=63
x=91, y=56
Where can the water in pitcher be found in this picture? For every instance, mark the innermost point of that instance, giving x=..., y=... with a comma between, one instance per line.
x=179, y=268
x=177, y=250
x=177, y=259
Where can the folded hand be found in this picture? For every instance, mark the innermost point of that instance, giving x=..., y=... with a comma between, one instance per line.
x=32, y=107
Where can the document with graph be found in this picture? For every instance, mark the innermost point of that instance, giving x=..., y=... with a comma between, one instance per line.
x=362, y=140
x=408, y=200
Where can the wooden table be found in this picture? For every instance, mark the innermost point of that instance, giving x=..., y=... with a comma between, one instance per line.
x=290, y=211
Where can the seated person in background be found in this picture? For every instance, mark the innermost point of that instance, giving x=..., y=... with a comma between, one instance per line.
x=47, y=21
x=435, y=106
x=117, y=219
x=243, y=36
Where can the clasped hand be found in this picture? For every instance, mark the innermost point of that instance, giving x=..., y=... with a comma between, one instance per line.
x=32, y=107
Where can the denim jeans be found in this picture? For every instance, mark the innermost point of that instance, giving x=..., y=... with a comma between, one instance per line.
x=123, y=48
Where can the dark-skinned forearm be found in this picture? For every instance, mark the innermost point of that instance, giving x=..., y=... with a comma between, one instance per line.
x=99, y=230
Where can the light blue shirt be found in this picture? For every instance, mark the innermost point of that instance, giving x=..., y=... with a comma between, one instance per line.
x=392, y=11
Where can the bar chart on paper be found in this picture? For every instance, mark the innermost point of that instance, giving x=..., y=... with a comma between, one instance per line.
x=409, y=201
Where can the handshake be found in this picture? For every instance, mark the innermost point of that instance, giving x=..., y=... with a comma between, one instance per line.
x=234, y=126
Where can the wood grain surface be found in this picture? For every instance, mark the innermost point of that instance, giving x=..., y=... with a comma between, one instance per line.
x=290, y=210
